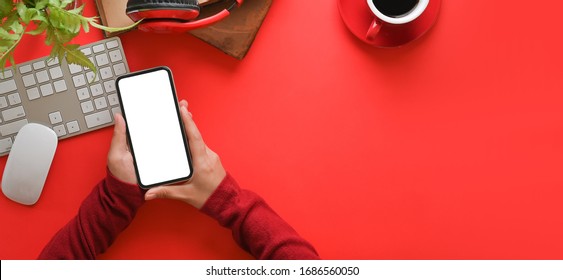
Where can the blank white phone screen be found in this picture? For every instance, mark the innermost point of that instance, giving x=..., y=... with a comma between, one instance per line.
x=154, y=127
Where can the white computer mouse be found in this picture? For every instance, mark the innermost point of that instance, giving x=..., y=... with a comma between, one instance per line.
x=28, y=163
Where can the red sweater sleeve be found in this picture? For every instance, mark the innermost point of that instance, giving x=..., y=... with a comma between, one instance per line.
x=105, y=213
x=255, y=226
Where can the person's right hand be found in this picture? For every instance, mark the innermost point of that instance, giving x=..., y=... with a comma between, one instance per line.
x=207, y=168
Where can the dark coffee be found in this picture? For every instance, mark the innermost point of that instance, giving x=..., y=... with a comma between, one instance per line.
x=395, y=8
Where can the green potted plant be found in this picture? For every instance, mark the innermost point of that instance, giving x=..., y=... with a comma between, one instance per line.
x=59, y=20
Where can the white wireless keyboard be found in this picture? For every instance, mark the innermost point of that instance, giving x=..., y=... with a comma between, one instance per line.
x=61, y=96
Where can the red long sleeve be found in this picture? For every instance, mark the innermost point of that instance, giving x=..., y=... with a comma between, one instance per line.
x=105, y=213
x=112, y=205
x=255, y=226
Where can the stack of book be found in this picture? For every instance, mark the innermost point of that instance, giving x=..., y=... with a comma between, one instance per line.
x=233, y=35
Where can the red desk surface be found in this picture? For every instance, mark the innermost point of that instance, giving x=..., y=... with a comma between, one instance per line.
x=450, y=147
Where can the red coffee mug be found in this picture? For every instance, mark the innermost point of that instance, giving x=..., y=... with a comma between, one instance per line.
x=396, y=22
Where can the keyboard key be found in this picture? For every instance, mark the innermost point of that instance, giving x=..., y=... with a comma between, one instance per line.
x=7, y=86
x=90, y=77
x=91, y=60
x=11, y=128
x=96, y=90
x=109, y=86
x=79, y=80
x=60, y=130
x=87, y=106
x=60, y=86
x=13, y=113
x=115, y=56
x=113, y=99
x=33, y=93
x=52, y=61
x=106, y=73
x=102, y=59
x=39, y=65
x=14, y=99
x=42, y=76
x=46, y=90
x=5, y=144
x=72, y=127
x=7, y=74
x=74, y=68
x=25, y=69
x=56, y=72
x=97, y=119
x=116, y=110
x=28, y=80
x=83, y=94
x=3, y=102
x=55, y=117
x=99, y=48
x=100, y=103
x=119, y=69
x=112, y=44
x=86, y=51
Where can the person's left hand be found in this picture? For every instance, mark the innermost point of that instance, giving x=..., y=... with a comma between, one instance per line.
x=120, y=160
x=208, y=170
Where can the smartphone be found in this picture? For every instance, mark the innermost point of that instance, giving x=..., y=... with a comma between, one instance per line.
x=155, y=131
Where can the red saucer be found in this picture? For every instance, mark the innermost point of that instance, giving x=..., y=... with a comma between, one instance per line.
x=358, y=17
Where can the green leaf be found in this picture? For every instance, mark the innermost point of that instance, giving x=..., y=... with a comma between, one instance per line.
x=21, y=8
x=65, y=3
x=86, y=26
x=17, y=27
x=77, y=11
x=6, y=7
x=10, y=19
x=64, y=20
x=29, y=3
x=57, y=36
x=55, y=18
x=8, y=56
x=74, y=55
x=41, y=4
x=55, y=3
x=8, y=36
x=60, y=49
x=33, y=14
x=4, y=60
x=49, y=36
x=40, y=29
x=12, y=61
x=57, y=51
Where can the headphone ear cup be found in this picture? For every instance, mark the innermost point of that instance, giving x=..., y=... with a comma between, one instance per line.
x=162, y=9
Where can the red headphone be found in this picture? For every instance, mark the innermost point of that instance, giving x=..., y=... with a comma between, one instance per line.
x=176, y=16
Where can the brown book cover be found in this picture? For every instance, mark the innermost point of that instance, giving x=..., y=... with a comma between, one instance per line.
x=233, y=35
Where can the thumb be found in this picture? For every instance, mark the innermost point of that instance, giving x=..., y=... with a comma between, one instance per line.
x=170, y=192
x=119, y=140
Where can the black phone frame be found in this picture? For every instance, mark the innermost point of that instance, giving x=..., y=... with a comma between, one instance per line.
x=183, y=131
